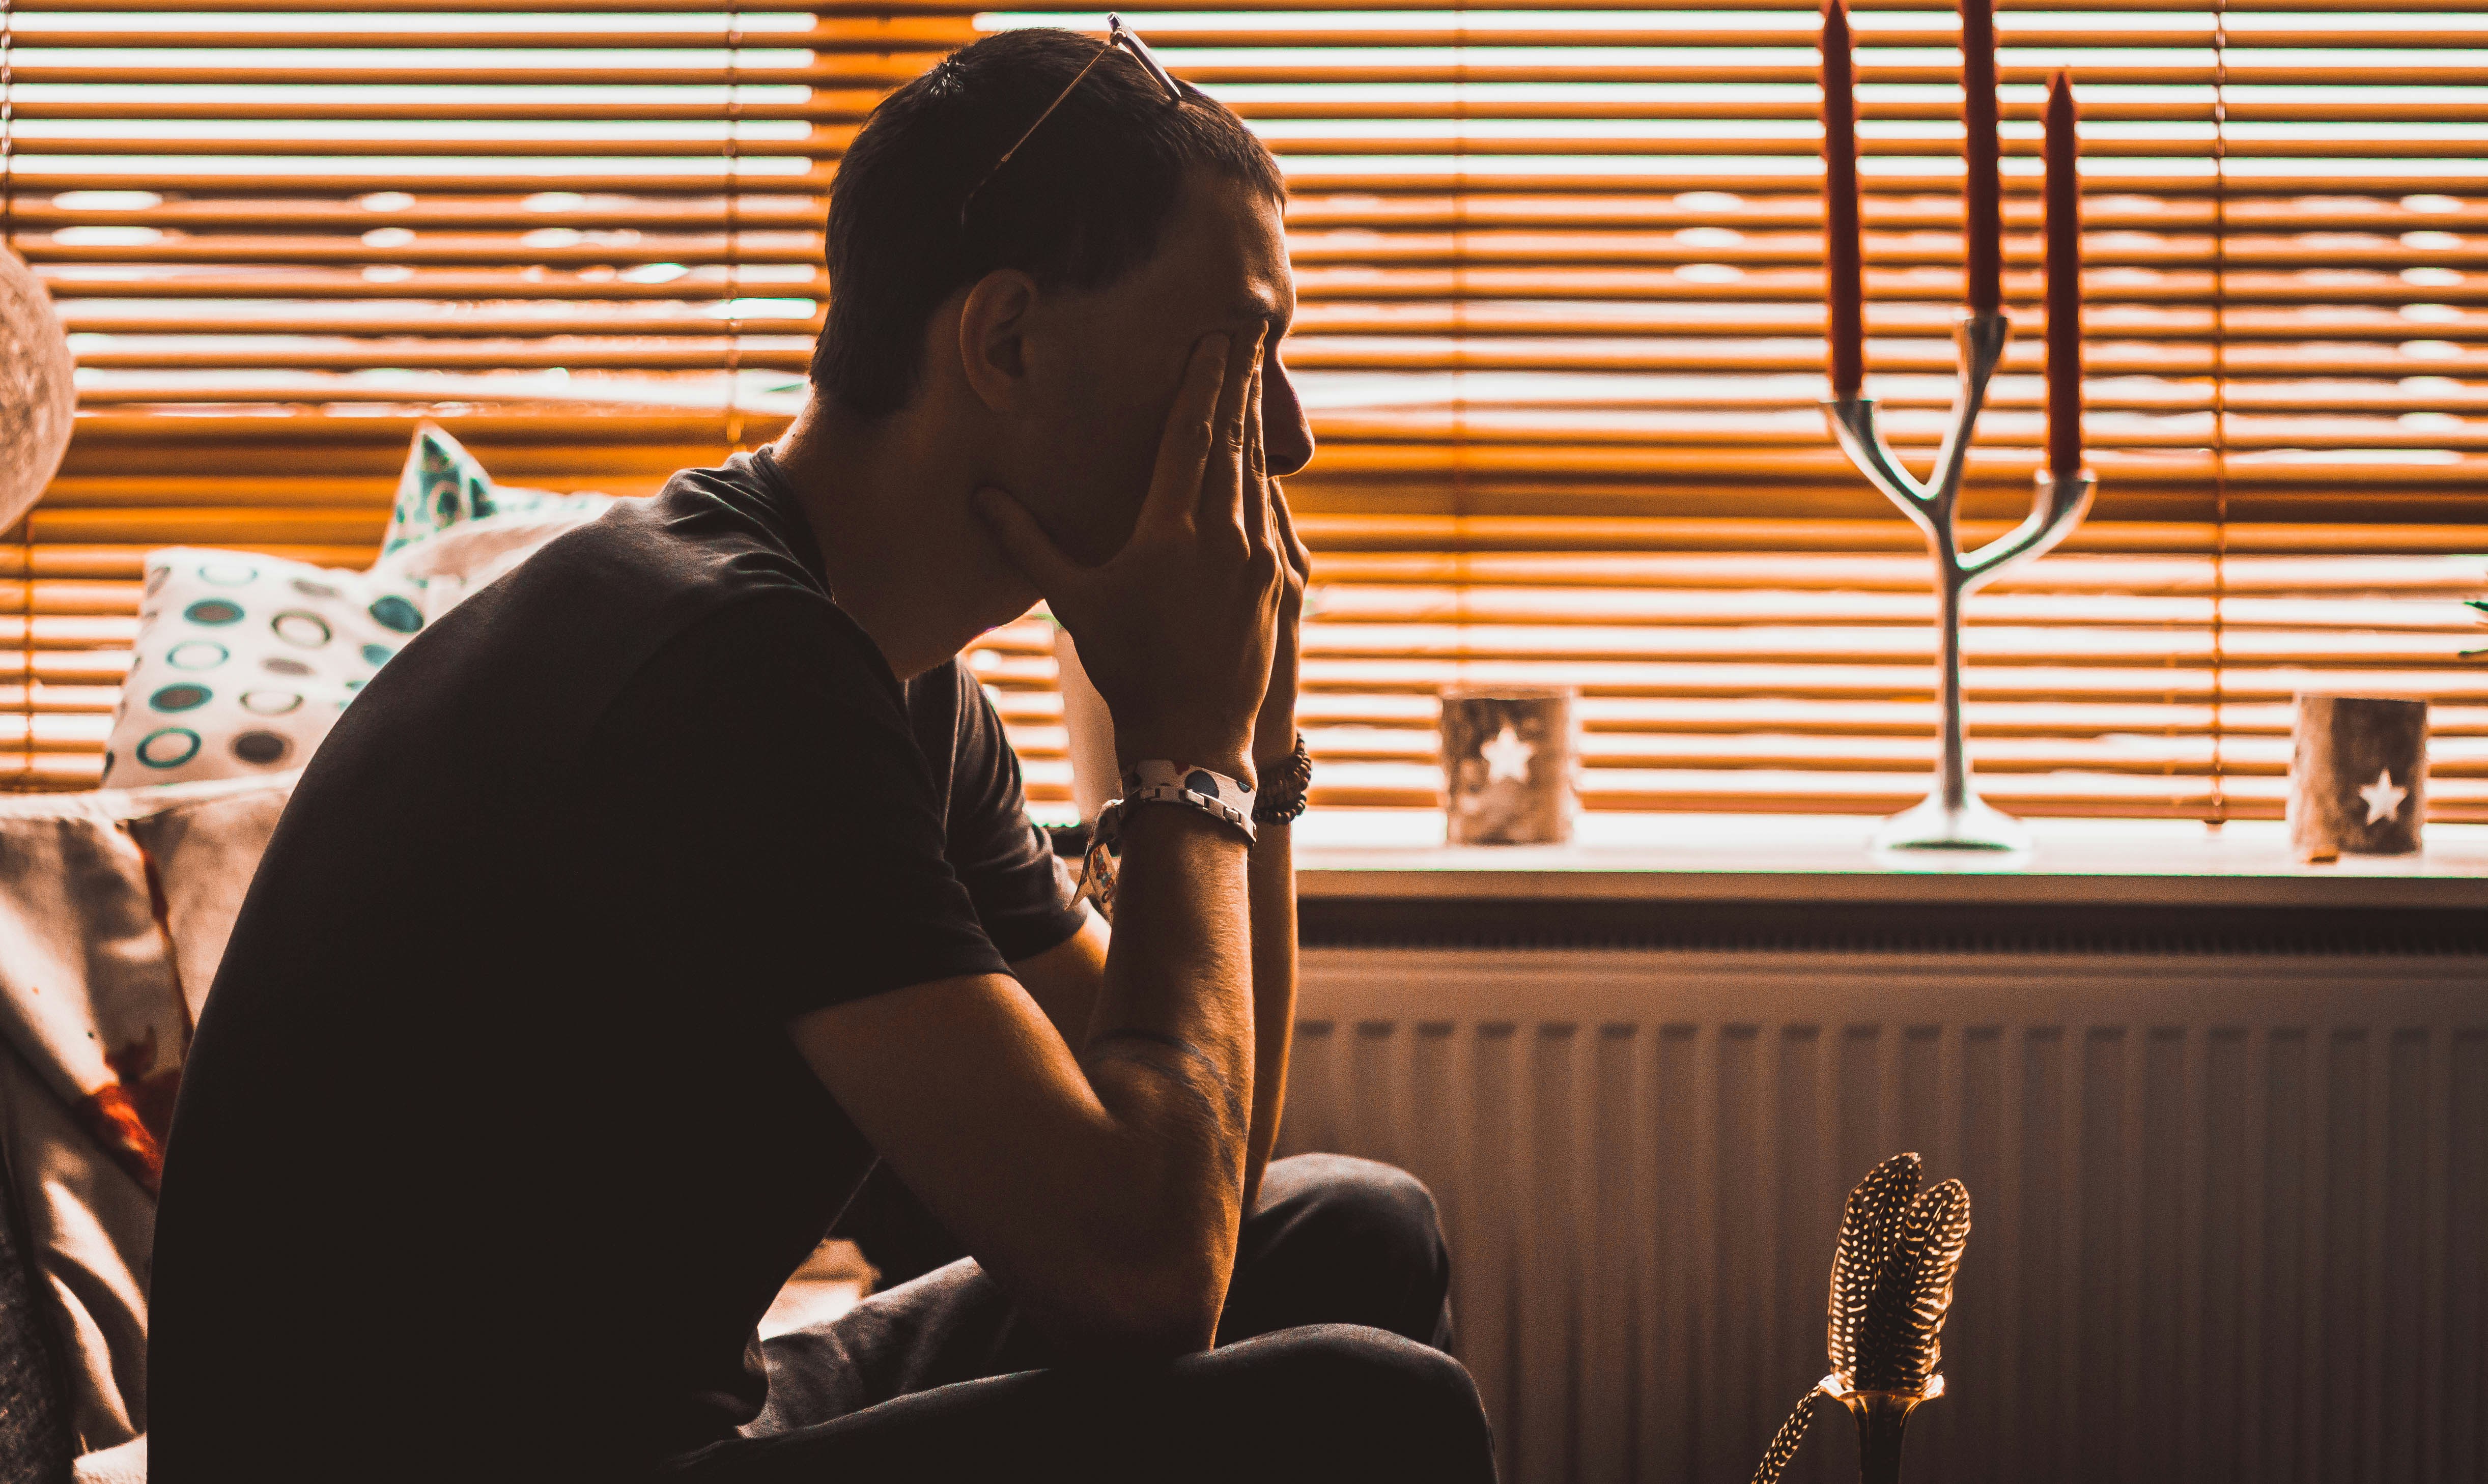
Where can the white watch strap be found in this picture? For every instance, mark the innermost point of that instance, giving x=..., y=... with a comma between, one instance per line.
x=1153, y=780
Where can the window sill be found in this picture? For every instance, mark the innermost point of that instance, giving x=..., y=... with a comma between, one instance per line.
x=1370, y=876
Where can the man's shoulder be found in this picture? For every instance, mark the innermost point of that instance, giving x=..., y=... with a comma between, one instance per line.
x=516, y=678
x=710, y=538
x=605, y=600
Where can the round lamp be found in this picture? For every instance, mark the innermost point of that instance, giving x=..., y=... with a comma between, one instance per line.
x=37, y=397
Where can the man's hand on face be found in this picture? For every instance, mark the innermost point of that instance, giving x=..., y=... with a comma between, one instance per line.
x=1274, y=731
x=1178, y=629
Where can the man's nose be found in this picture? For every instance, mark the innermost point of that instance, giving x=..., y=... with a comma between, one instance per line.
x=1287, y=438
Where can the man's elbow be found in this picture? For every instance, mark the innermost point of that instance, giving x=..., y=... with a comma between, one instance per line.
x=1133, y=1313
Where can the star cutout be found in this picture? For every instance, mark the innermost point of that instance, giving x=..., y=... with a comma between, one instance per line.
x=2383, y=798
x=1508, y=756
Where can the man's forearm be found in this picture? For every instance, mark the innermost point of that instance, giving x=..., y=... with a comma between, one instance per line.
x=1068, y=981
x=1170, y=1046
x=1271, y=884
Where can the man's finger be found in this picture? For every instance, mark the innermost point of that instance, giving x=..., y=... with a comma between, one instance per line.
x=1025, y=542
x=1222, y=482
x=1256, y=475
x=1291, y=544
x=1183, y=446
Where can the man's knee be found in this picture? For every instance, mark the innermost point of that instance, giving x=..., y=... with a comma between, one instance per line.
x=1362, y=1203
x=1376, y=1404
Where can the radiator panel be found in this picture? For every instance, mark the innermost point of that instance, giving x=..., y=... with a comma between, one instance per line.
x=2230, y=1215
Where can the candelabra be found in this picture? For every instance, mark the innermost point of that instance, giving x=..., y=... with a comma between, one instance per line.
x=1954, y=817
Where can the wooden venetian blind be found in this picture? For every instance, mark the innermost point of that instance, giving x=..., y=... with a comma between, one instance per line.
x=1561, y=273
x=583, y=237
x=1561, y=321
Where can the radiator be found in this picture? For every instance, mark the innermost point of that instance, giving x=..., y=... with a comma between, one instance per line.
x=2231, y=1210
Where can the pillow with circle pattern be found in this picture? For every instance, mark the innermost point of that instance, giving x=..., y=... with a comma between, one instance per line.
x=243, y=661
x=444, y=487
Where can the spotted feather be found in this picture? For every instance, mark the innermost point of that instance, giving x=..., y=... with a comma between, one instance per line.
x=1783, y=1443
x=1902, y=1337
x=1868, y=1229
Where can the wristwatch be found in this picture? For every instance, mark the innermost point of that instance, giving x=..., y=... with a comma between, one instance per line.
x=1280, y=801
x=1156, y=781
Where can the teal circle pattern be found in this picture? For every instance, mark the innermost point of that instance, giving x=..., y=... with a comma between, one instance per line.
x=228, y=573
x=182, y=697
x=271, y=703
x=278, y=664
x=395, y=612
x=169, y=747
x=304, y=631
x=377, y=654
x=197, y=655
x=214, y=613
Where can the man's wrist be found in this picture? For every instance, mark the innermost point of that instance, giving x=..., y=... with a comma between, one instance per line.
x=1233, y=759
x=1167, y=822
x=1274, y=741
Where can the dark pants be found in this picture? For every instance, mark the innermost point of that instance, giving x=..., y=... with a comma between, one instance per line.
x=1328, y=1366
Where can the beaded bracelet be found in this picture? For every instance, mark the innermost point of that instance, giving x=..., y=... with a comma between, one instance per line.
x=1283, y=799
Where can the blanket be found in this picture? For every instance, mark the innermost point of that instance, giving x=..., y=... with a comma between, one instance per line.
x=115, y=907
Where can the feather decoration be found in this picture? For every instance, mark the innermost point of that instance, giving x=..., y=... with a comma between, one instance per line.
x=1891, y=1286
x=1868, y=1227
x=1899, y=1339
x=1783, y=1443
x=1940, y=1236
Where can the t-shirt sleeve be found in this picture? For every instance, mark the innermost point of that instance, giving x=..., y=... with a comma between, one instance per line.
x=766, y=822
x=1021, y=892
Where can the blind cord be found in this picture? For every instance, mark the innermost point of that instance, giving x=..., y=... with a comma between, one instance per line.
x=25, y=523
x=2219, y=811
x=7, y=123
x=734, y=231
x=1460, y=533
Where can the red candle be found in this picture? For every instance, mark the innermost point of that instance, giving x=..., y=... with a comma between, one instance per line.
x=1982, y=209
x=1844, y=270
x=2064, y=284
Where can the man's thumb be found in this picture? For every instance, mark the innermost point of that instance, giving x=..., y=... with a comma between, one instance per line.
x=1022, y=540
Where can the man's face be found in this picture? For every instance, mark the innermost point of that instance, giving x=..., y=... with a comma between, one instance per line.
x=1104, y=366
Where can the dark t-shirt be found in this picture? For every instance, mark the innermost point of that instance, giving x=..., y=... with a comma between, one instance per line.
x=492, y=1146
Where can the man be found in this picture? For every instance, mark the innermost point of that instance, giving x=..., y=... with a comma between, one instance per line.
x=643, y=903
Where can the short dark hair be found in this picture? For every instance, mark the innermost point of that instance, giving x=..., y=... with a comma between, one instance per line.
x=1080, y=206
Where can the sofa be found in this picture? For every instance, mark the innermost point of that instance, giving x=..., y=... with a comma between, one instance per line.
x=115, y=907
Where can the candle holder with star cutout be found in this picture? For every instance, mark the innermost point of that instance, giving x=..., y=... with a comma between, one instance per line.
x=1508, y=765
x=2358, y=776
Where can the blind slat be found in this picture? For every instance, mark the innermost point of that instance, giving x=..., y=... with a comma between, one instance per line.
x=1559, y=277
x=937, y=34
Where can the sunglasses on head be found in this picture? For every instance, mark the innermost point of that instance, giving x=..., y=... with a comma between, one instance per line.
x=1116, y=35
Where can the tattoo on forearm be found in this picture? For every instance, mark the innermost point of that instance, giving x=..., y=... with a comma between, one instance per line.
x=1159, y=1038
x=1131, y=1042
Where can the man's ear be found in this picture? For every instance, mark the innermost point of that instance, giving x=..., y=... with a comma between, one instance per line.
x=993, y=331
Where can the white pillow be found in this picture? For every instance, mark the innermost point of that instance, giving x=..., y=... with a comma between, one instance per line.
x=448, y=566
x=443, y=491
x=243, y=661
